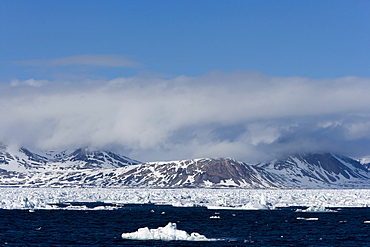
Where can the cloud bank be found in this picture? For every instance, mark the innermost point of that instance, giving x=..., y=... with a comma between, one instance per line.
x=244, y=115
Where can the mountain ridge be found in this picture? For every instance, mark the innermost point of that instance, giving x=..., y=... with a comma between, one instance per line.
x=86, y=167
x=317, y=168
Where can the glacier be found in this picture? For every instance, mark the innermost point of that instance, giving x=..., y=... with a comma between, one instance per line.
x=236, y=199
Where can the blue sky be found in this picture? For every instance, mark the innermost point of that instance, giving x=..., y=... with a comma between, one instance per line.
x=315, y=39
x=161, y=80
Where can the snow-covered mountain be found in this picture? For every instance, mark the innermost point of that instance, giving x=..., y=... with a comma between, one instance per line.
x=21, y=167
x=82, y=158
x=318, y=171
x=218, y=172
x=86, y=167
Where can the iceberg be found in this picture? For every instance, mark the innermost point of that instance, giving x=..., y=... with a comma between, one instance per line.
x=166, y=233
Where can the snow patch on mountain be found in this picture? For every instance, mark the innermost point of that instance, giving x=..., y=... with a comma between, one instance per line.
x=318, y=171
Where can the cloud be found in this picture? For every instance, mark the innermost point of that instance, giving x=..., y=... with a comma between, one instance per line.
x=243, y=115
x=29, y=82
x=85, y=60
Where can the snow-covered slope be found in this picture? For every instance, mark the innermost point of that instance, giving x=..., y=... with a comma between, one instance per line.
x=82, y=158
x=365, y=162
x=318, y=171
x=85, y=167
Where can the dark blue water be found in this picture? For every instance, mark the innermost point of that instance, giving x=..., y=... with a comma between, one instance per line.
x=236, y=228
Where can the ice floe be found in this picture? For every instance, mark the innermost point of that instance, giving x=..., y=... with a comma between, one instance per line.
x=309, y=219
x=317, y=209
x=215, y=199
x=166, y=233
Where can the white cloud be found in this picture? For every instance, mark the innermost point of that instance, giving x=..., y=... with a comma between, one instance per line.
x=29, y=82
x=244, y=115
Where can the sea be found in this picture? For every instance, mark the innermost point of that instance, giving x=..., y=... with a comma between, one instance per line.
x=280, y=227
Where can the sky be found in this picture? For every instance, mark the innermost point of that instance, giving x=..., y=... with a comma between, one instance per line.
x=170, y=80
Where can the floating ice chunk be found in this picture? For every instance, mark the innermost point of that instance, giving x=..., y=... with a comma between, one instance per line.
x=214, y=217
x=302, y=218
x=316, y=209
x=248, y=206
x=255, y=206
x=220, y=207
x=166, y=233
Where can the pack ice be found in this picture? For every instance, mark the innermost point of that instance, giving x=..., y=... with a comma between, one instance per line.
x=242, y=199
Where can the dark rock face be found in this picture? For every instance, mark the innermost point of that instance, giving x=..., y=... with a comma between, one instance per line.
x=199, y=173
x=334, y=164
x=34, y=157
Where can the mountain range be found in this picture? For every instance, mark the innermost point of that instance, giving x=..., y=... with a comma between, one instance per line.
x=86, y=167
